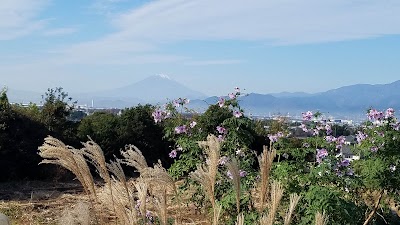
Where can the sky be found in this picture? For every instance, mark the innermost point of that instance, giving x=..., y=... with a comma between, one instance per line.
x=209, y=46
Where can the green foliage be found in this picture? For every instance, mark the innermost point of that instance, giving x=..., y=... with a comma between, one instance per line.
x=102, y=128
x=135, y=126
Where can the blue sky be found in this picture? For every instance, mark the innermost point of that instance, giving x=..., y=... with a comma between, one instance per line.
x=210, y=46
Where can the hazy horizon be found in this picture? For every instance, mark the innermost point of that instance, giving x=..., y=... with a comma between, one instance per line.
x=263, y=47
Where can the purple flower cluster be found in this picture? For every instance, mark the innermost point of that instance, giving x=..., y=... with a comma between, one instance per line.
x=221, y=102
x=159, y=115
x=181, y=129
x=232, y=95
x=374, y=114
x=180, y=102
x=389, y=113
x=221, y=130
x=275, y=137
x=304, y=127
x=237, y=114
x=340, y=141
x=174, y=153
x=307, y=115
x=193, y=124
x=361, y=137
x=242, y=173
x=321, y=154
x=223, y=160
x=345, y=163
x=374, y=149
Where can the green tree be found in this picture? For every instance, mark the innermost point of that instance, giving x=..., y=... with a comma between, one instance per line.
x=101, y=127
x=137, y=127
x=57, y=107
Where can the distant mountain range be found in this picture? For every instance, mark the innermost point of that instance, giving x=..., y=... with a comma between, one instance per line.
x=349, y=100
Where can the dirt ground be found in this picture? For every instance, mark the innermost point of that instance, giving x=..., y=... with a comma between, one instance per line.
x=38, y=202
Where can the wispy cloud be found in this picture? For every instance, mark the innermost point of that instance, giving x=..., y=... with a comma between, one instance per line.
x=19, y=17
x=105, y=7
x=289, y=21
x=60, y=31
x=213, y=62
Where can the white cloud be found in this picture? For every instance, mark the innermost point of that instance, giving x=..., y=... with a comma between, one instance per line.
x=19, y=17
x=146, y=29
x=280, y=21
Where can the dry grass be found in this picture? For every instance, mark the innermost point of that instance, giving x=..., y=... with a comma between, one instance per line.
x=294, y=200
x=233, y=168
x=265, y=161
x=321, y=219
x=115, y=201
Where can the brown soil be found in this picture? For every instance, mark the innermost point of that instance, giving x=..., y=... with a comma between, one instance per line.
x=38, y=202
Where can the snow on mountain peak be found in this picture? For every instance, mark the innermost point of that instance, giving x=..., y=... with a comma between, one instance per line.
x=164, y=76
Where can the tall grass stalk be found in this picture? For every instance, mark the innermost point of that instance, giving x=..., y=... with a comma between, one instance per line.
x=265, y=161
x=54, y=151
x=321, y=218
x=233, y=168
x=294, y=200
x=276, y=196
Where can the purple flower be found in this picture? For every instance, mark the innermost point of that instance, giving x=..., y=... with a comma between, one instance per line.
x=315, y=132
x=328, y=129
x=223, y=160
x=374, y=149
x=158, y=115
x=273, y=138
x=242, y=173
x=149, y=216
x=221, y=102
x=237, y=90
x=237, y=114
x=193, y=124
x=307, y=115
x=321, y=154
x=389, y=113
x=181, y=101
x=374, y=114
x=221, y=138
x=221, y=129
x=173, y=154
x=180, y=129
x=306, y=145
x=239, y=152
x=229, y=174
x=232, y=95
x=330, y=139
x=361, y=136
x=396, y=126
x=345, y=163
x=304, y=127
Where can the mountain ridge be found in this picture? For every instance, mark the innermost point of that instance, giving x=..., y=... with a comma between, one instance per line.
x=159, y=89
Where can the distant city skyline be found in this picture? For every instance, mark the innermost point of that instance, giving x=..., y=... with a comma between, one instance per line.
x=209, y=46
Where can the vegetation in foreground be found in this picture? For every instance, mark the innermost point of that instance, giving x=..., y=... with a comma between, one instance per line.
x=292, y=180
